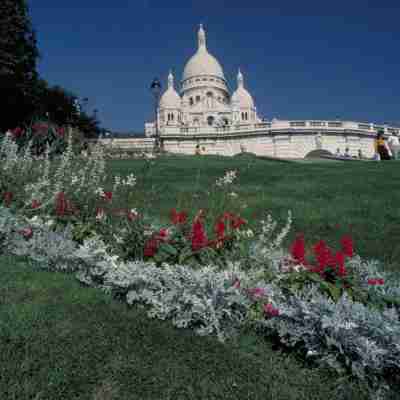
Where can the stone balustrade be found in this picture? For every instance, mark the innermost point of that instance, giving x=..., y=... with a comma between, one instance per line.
x=273, y=127
x=276, y=138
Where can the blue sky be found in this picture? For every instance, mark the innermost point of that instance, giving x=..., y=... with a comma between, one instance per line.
x=300, y=59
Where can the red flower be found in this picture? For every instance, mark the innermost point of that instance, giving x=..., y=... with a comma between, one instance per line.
x=27, y=233
x=17, y=132
x=162, y=234
x=60, y=131
x=347, y=246
x=237, y=222
x=227, y=216
x=178, y=218
x=108, y=196
x=339, y=258
x=270, y=310
x=374, y=282
x=297, y=250
x=324, y=256
x=199, y=238
x=38, y=127
x=61, y=204
x=256, y=292
x=8, y=196
x=219, y=229
x=150, y=247
x=35, y=204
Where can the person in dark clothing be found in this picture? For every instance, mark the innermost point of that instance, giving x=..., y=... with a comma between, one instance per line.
x=380, y=147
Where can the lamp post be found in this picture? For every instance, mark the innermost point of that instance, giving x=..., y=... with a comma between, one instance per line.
x=156, y=90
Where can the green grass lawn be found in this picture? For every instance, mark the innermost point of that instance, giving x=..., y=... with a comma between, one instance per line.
x=63, y=341
x=60, y=340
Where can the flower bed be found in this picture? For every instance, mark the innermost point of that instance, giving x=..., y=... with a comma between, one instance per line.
x=213, y=275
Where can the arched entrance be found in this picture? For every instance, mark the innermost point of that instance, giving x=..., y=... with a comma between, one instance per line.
x=319, y=153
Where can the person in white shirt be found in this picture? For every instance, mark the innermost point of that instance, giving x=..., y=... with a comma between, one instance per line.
x=394, y=145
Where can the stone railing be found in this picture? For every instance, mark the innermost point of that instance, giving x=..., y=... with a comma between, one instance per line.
x=332, y=125
x=274, y=125
x=140, y=144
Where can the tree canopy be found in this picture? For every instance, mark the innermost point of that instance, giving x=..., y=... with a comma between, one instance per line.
x=26, y=97
x=18, y=62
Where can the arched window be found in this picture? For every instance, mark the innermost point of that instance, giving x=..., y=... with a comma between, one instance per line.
x=210, y=120
x=191, y=101
x=197, y=99
x=242, y=116
x=210, y=102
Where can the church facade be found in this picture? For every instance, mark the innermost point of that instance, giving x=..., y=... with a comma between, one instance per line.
x=204, y=113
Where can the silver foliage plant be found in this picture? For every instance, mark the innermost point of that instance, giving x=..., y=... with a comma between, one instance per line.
x=342, y=335
x=41, y=179
x=203, y=299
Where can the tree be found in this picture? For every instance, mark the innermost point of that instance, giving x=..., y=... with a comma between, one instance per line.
x=61, y=107
x=18, y=58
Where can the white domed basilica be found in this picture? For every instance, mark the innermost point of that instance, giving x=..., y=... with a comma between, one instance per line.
x=203, y=113
x=204, y=99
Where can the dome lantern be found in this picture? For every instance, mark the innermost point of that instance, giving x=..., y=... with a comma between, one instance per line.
x=240, y=81
x=201, y=35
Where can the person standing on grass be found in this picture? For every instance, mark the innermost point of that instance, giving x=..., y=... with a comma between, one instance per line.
x=381, y=147
x=394, y=145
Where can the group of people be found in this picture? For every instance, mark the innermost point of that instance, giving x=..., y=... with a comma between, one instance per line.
x=384, y=149
x=347, y=153
x=387, y=150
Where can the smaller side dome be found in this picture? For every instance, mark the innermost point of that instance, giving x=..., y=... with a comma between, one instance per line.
x=241, y=96
x=170, y=98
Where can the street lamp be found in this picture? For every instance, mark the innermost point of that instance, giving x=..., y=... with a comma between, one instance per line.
x=156, y=90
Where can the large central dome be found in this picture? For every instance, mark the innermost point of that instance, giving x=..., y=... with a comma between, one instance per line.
x=202, y=63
